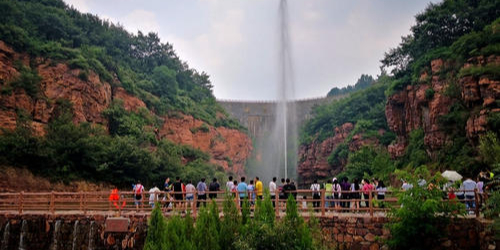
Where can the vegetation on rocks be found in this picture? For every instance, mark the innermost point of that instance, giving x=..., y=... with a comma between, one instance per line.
x=453, y=31
x=128, y=148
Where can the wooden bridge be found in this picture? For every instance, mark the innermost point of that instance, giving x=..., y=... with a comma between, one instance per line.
x=365, y=203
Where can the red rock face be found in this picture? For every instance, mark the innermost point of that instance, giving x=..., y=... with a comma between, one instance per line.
x=91, y=97
x=221, y=143
x=130, y=102
x=313, y=158
x=409, y=109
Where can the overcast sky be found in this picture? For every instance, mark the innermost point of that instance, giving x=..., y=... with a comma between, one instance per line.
x=235, y=41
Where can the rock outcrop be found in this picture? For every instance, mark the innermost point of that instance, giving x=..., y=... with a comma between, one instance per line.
x=313, y=158
x=58, y=82
x=91, y=95
x=412, y=109
x=229, y=148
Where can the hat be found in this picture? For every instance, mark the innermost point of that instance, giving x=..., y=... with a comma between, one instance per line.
x=334, y=179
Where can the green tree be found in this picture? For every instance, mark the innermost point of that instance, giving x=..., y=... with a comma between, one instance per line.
x=423, y=217
x=206, y=235
x=230, y=223
x=157, y=231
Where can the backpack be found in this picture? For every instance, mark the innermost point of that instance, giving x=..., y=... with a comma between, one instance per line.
x=337, y=188
x=315, y=187
x=212, y=186
x=138, y=189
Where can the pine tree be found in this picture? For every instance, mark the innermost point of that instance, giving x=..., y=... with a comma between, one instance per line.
x=157, y=229
x=205, y=235
x=264, y=211
x=229, y=224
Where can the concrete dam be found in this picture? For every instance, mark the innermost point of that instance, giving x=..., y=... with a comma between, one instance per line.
x=259, y=116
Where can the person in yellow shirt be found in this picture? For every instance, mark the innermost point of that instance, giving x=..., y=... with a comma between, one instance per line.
x=258, y=188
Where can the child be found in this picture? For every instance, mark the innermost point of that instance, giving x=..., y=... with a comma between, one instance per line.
x=304, y=203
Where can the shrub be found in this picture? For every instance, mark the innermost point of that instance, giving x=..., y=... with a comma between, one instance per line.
x=83, y=75
x=423, y=218
x=429, y=94
x=156, y=238
x=28, y=80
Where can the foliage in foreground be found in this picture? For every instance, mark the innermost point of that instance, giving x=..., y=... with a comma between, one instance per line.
x=423, y=217
x=231, y=232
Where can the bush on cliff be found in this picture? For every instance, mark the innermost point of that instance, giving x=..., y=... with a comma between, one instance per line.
x=141, y=63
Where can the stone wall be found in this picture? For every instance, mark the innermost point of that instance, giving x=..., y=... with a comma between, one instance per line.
x=74, y=232
x=363, y=232
x=68, y=232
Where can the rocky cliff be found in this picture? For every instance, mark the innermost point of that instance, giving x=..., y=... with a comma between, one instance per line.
x=90, y=96
x=313, y=158
x=448, y=101
x=412, y=108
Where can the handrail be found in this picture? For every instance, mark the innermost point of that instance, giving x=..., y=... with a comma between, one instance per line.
x=125, y=201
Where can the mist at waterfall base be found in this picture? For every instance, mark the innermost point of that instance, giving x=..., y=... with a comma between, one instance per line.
x=275, y=151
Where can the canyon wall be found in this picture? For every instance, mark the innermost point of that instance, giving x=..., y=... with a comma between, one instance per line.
x=90, y=96
x=410, y=109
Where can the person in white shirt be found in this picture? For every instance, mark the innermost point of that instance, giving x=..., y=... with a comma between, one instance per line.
x=272, y=190
x=230, y=184
x=469, y=189
x=315, y=187
x=153, y=196
x=190, y=190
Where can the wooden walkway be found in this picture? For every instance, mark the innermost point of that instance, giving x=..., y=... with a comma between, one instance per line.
x=365, y=204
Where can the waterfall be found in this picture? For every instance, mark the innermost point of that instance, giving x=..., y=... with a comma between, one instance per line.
x=92, y=229
x=6, y=236
x=75, y=235
x=22, y=237
x=57, y=228
x=277, y=149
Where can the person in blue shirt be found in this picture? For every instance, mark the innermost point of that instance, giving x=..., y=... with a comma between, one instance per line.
x=242, y=190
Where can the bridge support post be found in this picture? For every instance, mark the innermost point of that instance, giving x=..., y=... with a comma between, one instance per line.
x=52, y=203
x=370, y=203
x=195, y=204
x=322, y=202
x=476, y=200
x=21, y=202
x=277, y=203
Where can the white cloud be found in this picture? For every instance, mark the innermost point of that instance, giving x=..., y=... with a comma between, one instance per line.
x=142, y=20
x=81, y=5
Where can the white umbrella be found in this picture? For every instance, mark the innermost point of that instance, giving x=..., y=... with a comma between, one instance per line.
x=451, y=175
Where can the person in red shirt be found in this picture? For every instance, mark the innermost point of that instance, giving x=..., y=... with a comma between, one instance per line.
x=367, y=188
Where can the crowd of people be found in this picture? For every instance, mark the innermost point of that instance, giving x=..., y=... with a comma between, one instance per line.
x=340, y=195
x=179, y=194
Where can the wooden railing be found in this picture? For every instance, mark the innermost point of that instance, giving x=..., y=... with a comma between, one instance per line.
x=124, y=202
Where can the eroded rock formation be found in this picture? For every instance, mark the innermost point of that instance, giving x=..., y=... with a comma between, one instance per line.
x=411, y=109
x=313, y=158
x=91, y=95
x=229, y=148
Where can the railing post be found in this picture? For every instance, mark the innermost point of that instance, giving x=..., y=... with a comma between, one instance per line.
x=370, y=203
x=195, y=204
x=322, y=202
x=81, y=200
x=52, y=203
x=84, y=203
x=21, y=202
x=476, y=200
x=277, y=203
x=120, y=207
